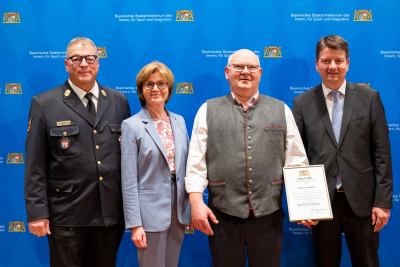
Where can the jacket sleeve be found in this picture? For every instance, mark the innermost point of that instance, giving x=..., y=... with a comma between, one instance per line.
x=129, y=161
x=380, y=146
x=36, y=149
x=298, y=117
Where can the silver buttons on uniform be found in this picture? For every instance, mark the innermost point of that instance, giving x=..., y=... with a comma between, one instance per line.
x=99, y=162
x=249, y=158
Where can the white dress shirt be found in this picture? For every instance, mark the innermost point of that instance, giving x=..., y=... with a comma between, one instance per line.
x=81, y=93
x=196, y=170
x=329, y=97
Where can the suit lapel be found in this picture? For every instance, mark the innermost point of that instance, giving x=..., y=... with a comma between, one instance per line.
x=102, y=105
x=75, y=103
x=152, y=131
x=176, y=130
x=319, y=101
x=349, y=100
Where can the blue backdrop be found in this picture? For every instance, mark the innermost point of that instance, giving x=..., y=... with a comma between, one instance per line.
x=193, y=38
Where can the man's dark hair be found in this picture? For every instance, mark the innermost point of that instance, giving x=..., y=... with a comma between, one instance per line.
x=333, y=42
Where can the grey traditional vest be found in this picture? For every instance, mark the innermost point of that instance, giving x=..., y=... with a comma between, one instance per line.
x=245, y=155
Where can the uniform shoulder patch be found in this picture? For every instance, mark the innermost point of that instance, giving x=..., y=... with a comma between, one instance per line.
x=29, y=124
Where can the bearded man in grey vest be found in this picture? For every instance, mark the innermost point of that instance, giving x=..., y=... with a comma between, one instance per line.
x=240, y=142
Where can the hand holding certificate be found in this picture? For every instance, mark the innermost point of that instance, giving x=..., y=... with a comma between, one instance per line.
x=307, y=193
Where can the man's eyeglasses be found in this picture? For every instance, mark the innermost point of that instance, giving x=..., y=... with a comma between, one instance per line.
x=90, y=59
x=240, y=68
x=160, y=85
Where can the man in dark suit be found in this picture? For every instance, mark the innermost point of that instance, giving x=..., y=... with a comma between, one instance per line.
x=343, y=126
x=72, y=170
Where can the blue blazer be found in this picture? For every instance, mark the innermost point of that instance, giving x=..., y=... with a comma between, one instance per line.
x=146, y=176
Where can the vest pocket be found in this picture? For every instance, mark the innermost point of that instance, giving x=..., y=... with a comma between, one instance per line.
x=276, y=183
x=273, y=129
x=216, y=184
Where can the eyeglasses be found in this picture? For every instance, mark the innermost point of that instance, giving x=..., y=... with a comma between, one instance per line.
x=160, y=85
x=90, y=59
x=250, y=68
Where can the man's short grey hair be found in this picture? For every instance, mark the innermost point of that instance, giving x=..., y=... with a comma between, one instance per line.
x=81, y=41
x=230, y=59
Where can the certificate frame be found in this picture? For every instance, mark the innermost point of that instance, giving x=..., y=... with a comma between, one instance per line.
x=312, y=177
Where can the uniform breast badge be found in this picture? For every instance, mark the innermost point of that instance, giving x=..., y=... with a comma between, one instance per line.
x=65, y=141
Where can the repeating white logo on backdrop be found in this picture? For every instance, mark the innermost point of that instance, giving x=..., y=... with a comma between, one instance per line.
x=181, y=15
x=223, y=53
x=299, y=89
x=390, y=54
x=311, y=17
x=126, y=89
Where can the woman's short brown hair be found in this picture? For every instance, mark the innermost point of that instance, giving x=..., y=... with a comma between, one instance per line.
x=144, y=74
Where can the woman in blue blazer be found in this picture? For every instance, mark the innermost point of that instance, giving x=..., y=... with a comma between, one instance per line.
x=154, y=148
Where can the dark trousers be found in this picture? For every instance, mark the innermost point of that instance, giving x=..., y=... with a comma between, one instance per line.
x=84, y=246
x=261, y=236
x=361, y=240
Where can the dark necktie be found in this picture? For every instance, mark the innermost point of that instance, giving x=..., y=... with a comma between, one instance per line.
x=90, y=106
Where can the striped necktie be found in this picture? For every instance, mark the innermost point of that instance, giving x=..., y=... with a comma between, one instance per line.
x=337, y=114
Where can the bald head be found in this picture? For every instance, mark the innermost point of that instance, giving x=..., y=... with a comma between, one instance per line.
x=243, y=74
x=246, y=53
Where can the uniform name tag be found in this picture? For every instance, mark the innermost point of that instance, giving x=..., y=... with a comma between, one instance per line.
x=63, y=123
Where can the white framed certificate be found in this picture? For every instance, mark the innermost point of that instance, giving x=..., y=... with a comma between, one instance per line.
x=307, y=193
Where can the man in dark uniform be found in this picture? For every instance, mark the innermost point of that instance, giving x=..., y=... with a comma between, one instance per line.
x=72, y=175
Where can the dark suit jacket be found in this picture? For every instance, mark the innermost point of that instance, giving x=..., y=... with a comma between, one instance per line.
x=81, y=185
x=363, y=154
